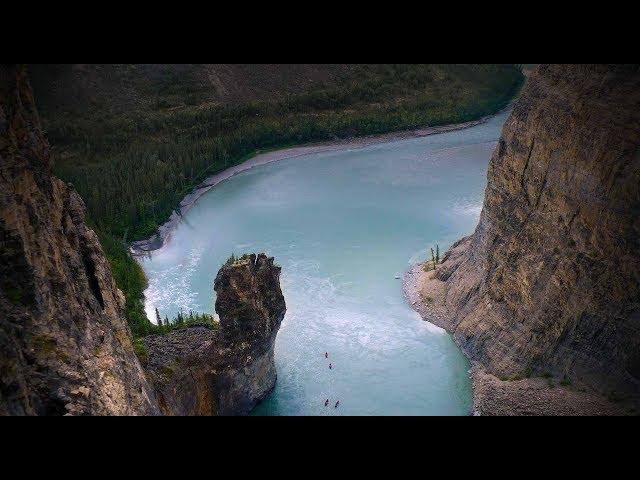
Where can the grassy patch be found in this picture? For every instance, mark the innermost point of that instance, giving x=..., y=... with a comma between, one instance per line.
x=426, y=298
x=526, y=373
x=44, y=344
x=14, y=295
x=47, y=346
x=168, y=370
x=141, y=351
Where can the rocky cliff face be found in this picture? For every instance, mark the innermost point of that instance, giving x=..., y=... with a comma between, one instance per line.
x=228, y=370
x=64, y=343
x=65, y=346
x=549, y=283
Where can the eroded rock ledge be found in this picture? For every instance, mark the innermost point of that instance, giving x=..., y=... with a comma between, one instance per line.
x=228, y=370
x=548, y=285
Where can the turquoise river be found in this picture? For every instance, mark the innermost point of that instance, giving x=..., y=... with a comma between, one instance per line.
x=343, y=225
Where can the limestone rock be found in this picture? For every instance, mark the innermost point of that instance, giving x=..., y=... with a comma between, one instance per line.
x=228, y=370
x=65, y=347
x=549, y=283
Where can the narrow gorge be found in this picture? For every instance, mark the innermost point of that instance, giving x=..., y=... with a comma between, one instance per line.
x=347, y=175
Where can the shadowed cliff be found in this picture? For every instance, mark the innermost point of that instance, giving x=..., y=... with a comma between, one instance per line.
x=65, y=345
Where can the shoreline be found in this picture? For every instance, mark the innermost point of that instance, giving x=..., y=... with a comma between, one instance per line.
x=157, y=241
x=436, y=314
x=491, y=395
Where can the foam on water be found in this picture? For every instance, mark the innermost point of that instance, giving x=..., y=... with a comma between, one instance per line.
x=342, y=225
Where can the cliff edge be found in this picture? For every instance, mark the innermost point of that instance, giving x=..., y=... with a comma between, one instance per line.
x=548, y=285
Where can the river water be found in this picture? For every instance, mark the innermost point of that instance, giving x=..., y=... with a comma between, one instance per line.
x=342, y=225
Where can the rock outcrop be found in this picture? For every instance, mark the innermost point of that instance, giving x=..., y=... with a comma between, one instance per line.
x=225, y=370
x=65, y=347
x=549, y=282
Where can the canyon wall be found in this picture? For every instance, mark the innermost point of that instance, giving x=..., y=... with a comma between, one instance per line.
x=65, y=346
x=549, y=282
x=225, y=370
x=64, y=343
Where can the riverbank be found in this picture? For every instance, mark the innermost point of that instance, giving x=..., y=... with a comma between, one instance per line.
x=155, y=242
x=494, y=396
